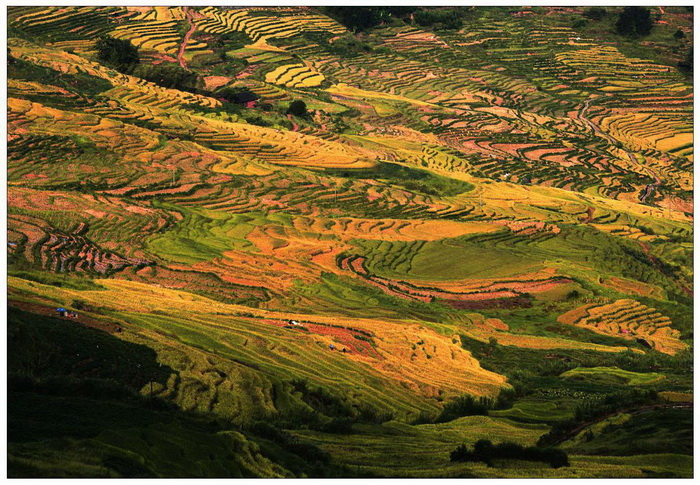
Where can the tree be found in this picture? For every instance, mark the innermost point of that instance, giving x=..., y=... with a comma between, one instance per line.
x=557, y=458
x=439, y=19
x=464, y=405
x=297, y=108
x=634, y=22
x=595, y=13
x=483, y=447
x=168, y=76
x=462, y=453
x=359, y=18
x=120, y=54
x=687, y=64
x=238, y=95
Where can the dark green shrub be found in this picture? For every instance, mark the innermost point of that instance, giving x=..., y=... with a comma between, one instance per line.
x=120, y=54
x=447, y=19
x=595, y=13
x=297, y=108
x=338, y=426
x=168, y=76
x=236, y=95
x=465, y=405
x=485, y=451
x=687, y=64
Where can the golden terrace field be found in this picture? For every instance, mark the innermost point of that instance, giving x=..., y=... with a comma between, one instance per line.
x=302, y=248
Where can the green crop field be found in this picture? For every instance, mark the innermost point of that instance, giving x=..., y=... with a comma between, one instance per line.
x=337, y=242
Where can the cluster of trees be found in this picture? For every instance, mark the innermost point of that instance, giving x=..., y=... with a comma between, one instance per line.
x=595, y=13
x=120, y=54
x=297, y=108
x=634, y=22
x=687, y=64
x=447, y=19
x=236, y=95
x=485, y=451
x=467, y=405
x=168, y=76
x=360, y=19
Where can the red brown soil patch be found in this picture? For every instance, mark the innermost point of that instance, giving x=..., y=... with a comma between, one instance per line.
x=344, y=337
x=248, y=71
x=160, y=58
x=676, y=203
x=213, y=82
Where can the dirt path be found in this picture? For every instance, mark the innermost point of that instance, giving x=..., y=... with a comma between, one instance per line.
x=295, y=127
x=589, y=215
x=650, y=188
x=185, y=40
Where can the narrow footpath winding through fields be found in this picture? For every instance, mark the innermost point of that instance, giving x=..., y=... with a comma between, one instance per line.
x=185, y=40
x=295, y=127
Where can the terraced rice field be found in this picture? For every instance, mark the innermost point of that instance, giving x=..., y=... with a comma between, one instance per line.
x=306, y=248
x=294, y=76
x=628, y=319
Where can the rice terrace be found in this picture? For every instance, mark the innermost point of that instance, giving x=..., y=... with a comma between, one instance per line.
x=350, y=241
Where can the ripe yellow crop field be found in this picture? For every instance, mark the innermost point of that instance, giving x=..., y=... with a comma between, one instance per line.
x=153, y=28
x=294, y=76
x=647, y=130
x=262, y=28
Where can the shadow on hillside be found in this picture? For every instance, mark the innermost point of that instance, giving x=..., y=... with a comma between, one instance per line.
x=59, y=372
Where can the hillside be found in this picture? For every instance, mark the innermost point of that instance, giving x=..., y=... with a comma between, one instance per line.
x=301, y=244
